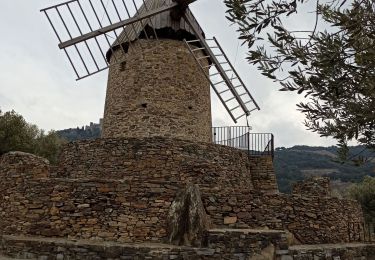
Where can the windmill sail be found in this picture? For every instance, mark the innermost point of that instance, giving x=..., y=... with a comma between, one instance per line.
x=224, y=80
x=90, y=31
x=86, y=29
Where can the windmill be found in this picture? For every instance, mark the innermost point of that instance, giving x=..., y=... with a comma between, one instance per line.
x=161, y=65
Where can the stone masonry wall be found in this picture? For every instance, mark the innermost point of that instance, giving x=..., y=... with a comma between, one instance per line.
x=314, y=186
x=158, y=90
x=214, y=167
x=219, y=244
x=117, y=189
x=310, y=219
x=122, y=189
x=353, y=251
x=47, y=248
x=263, y=175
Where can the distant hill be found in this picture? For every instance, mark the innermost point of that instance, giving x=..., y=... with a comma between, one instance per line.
x=298, y=162
x=88, y=132
x=291, y=164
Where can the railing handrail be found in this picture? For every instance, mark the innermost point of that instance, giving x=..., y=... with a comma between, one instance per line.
x=241, y=137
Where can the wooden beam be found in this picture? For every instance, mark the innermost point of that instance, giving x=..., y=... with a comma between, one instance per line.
x=115, y=26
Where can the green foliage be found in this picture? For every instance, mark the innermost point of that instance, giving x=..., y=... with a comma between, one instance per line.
x=364, y=193
x=18, y=135
x=15, y=133
x=333, y=68
x=299, y=162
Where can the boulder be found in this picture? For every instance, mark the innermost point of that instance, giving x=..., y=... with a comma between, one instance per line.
x=187, y=218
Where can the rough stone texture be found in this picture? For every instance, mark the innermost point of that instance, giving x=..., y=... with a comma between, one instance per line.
x=60, y=249
x=158, y=159
x=187, y=218
x=20, y=166
x=314, y=186
x=131, y=205
x=247, y=242
x=122, y=190
x=19, y=169
x=312, y=220
x=263, y=175
x=329, y=252
x=158, y=90
x=219, y=244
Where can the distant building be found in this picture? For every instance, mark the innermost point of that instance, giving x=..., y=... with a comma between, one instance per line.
x=95, y=126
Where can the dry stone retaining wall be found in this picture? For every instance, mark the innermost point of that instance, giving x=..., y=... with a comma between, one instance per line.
x=314, y=186
x=59, y=249
x=127, y=199
x=211, y=166
x=122, y=189
x=356, y=251
x=312, y=220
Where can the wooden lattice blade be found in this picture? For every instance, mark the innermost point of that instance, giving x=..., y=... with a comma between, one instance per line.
x=127, y=22
x=88, y=29
x=228, y=86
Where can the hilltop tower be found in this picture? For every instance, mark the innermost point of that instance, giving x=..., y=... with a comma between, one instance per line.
x=157, y=89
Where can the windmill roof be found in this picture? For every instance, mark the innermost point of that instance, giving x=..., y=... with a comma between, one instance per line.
x=159, y=21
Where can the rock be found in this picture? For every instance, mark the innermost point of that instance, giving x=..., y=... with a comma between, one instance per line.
x=54, y=211
x=291, y=239
x=311, y=215
x=230, y=220
x=81, y=206
x=59, y=257
x=187, y=218
x=266, y=254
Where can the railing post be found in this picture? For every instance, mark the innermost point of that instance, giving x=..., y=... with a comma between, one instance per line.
x=260, y=144
x=248, y=142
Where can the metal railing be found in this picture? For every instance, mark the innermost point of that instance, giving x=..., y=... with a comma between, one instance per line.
x=240, y=137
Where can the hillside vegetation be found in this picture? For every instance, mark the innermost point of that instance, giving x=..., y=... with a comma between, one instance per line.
x=76, y=134
x=298, y=162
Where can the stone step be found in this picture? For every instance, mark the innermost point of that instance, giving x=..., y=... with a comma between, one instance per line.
x=233, y=244
x=2, y=257
x=344, y=251
x=20, y=247
x=250, y=242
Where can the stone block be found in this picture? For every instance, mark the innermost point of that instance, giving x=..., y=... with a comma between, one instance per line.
x=230, y=220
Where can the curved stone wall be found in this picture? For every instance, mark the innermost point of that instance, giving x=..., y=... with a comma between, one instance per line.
x=162, y=160
x=122, y=190
x=118, y=189
x=158, y=90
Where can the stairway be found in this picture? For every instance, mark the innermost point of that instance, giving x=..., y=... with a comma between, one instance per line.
x=233, y=244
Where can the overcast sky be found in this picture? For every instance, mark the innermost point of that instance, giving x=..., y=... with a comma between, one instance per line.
x=37, y=81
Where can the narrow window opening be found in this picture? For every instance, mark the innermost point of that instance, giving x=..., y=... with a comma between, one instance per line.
x=122, y=66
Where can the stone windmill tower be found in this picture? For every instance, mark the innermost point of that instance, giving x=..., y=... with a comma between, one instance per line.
x=158, y=89
x=160, y=64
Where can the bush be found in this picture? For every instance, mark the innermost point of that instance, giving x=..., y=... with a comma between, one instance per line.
x=18, y=135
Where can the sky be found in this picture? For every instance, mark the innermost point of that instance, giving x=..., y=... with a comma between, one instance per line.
x=37, y=81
